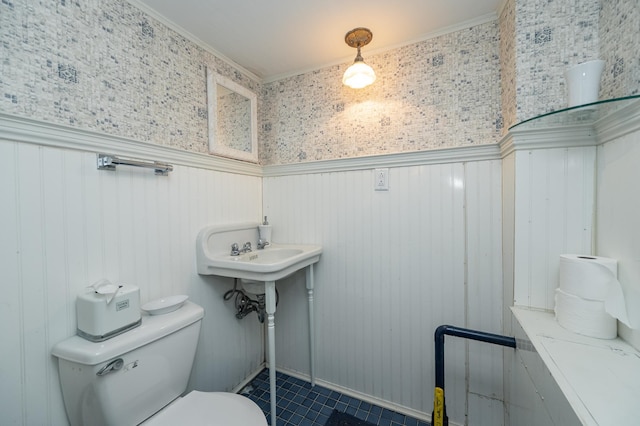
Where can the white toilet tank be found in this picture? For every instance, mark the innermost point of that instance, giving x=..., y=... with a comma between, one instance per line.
x=128, y=378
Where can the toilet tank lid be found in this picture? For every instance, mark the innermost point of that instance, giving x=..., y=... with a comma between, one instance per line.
x=153, y=327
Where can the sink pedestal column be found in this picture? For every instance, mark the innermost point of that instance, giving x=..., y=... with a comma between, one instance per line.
x=312, y=336
x=270, y=308
x=270, y=301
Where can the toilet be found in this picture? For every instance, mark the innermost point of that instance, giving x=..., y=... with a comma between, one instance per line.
x=138, y=377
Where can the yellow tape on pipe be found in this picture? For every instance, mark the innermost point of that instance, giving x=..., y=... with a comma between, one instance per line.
x=438, y=407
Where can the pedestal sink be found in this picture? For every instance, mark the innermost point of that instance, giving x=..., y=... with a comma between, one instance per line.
x=259, y=270
x=272, y=263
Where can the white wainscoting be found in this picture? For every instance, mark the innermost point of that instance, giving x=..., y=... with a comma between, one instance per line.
x=554, y=210
x=551, y=187
x=64, y=225
x=618, y=232
x=484, y=297
x=396, y=265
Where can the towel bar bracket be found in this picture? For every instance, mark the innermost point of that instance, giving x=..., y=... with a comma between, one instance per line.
x=109, y=162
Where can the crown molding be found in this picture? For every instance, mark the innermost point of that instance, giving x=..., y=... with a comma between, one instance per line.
x=480, y=20
x=501, y=5
x=186, y=34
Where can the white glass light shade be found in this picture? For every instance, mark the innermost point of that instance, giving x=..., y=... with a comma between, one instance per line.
x=358, y=75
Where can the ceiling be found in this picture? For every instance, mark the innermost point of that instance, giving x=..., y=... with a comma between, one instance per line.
x=278, y=38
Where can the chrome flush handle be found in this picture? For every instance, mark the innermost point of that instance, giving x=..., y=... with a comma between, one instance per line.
x=112, y=366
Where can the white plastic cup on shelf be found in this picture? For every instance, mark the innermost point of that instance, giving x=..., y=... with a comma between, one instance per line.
x=583, y=82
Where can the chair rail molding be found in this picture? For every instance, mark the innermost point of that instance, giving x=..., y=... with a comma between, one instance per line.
x=24, y=130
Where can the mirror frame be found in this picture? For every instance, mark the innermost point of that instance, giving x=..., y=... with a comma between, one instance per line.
x=213, y=80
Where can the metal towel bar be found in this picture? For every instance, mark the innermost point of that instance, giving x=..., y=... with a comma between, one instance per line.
x=109, y=162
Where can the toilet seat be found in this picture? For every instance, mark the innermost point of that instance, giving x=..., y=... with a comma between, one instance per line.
x=210, y=409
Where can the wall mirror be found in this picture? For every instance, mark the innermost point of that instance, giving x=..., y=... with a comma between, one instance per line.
x=232, y=109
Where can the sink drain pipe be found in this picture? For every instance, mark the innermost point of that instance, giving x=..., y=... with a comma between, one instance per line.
x=439, y=414
x=245, y=305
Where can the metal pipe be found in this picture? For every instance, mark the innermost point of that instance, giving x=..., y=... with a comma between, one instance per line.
x=439, y=414
x=482, y=336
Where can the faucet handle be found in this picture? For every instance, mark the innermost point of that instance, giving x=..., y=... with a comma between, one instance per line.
x=235, y=250
x=247, y=247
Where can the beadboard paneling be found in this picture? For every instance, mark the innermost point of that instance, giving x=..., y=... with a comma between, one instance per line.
x=484, y=289
x=618, y=211
x=396, y=264
x=65, y=225
x=508, y=237
x=554, y=205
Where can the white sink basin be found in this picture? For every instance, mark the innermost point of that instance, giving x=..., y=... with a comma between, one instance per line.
x=269, y=256
x=275, y=262
x=271, y=264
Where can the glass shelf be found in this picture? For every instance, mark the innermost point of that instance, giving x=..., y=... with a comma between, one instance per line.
x=577, y=115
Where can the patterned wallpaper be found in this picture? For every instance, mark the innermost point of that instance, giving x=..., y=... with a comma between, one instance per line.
x=619, y=41
x=507, y=23
x=442, y=92
x=106, y=66
x=550, y=36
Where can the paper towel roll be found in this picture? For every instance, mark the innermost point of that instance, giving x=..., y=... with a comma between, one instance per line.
x=587, y=317
x=588, y=277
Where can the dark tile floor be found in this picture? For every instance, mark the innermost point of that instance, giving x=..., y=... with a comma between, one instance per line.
x=301, y=405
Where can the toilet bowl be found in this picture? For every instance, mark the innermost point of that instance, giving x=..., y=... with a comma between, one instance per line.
x=139, y=377
x=209, y=408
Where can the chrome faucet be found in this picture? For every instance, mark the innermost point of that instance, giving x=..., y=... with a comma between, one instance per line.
x=235, y=250
x=262, y=244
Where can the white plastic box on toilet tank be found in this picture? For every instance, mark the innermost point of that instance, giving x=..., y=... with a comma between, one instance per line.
x=106, y=310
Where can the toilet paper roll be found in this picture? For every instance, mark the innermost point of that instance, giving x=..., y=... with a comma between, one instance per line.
x=616, y=305
x=586, y=317
x=585, y=276
x=594, y=278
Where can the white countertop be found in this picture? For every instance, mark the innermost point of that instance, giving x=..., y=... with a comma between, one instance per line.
x=600, y=378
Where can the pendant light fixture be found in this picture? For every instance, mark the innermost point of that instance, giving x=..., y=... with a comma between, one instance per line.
x=359, y=74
